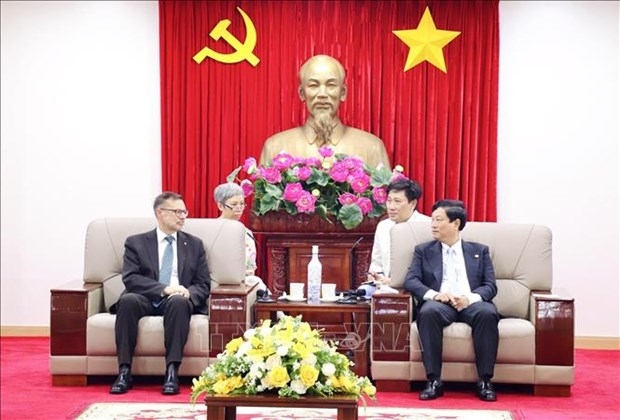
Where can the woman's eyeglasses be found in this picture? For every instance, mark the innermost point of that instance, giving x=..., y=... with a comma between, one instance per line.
x=234, y=206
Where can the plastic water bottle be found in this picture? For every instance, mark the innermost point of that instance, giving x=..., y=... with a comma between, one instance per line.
x=315, y=269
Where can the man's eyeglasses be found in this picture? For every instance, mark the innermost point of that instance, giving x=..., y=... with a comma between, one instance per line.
x=234, y=206
x=178, y=212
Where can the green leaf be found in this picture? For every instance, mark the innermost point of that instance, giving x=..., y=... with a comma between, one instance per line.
x=380, y=177
x=350, y=215
x=233, y=175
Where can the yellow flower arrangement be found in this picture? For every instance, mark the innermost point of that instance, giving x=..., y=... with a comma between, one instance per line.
x=289, y=358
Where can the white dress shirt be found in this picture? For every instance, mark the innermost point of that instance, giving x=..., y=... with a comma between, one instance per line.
x=462, y=280
x=380, y=257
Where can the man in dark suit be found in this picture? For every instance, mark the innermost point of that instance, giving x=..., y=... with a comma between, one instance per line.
x=454, y=281
x=165, y=273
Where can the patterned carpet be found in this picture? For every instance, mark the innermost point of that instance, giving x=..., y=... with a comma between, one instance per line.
x=140, y=411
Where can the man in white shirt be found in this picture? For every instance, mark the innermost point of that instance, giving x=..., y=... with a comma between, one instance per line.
x=402, y=200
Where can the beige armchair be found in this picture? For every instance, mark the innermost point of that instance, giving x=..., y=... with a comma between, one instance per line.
x=82, y=330
x=536, y=330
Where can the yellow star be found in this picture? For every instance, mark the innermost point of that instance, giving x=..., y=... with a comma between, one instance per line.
x=426, y=42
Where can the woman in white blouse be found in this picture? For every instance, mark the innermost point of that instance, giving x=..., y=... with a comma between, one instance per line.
x=231, y=203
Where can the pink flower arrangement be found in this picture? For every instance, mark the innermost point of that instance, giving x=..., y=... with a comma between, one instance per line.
x=336, y=187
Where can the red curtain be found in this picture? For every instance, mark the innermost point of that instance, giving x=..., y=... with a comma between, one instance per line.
x=441, y=127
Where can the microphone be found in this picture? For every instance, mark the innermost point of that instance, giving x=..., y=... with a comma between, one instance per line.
x=352, y=281
x=264, y=295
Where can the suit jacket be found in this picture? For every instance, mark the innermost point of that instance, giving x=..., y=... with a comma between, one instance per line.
x=426, y=270
x=141, y=267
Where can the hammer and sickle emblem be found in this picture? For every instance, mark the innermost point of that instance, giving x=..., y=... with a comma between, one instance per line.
x=242, y=51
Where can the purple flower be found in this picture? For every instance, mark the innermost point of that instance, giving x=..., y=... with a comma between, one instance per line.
x=365, y=205
x=271, y=175
x=292, y=192
x=326, y=151
x=305, y=204
x=380, y=194
x=282, y=161
x=347, y=198
x=247, y=187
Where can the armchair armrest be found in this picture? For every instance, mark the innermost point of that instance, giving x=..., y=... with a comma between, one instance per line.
x=70, y=305
x=390, y=323
x=554, y=319
x=230, y=314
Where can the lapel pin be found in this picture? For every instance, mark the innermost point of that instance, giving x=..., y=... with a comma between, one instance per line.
x=476, y=256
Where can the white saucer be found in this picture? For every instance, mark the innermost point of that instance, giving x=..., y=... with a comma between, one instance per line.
x=330, y=300
x=295, y=299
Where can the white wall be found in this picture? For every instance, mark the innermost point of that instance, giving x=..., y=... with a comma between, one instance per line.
x=80, y=139
x=558, y=144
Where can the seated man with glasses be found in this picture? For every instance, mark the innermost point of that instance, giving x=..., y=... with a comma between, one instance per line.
x=154, y=285
x=231, y=203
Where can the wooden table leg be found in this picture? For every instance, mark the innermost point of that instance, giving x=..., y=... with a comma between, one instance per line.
x=347, y=414
x=231, y=412
x=215, y=413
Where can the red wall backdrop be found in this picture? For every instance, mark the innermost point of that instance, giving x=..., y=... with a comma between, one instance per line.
x=441, y=127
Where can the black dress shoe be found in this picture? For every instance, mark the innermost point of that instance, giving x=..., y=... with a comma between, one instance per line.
x=123, y=383
x=485, y=391
x=171, y=384
x=432, y=390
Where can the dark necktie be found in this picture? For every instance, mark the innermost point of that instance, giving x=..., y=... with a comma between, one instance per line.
x=165, y=272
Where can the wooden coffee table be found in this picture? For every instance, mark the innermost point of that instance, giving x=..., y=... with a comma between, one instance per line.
x=224, y=407
x=350, y=329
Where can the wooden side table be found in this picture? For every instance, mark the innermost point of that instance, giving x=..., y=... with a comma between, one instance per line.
x=353, y=335
x=224, y=407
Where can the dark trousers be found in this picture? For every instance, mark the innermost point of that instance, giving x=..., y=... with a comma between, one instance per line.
x=483, y=319
x=176, y=311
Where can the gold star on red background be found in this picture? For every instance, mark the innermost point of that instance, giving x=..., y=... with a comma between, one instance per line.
x=426, y=43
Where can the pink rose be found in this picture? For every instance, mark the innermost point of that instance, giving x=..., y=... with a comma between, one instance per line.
x=282, y=161
x=305, y=204
x=249, y=166
x=339, y=172
x=380, y=194
x=347, y=198
x=359, y=184
x=313, y=161
x=247, y=187
x=365, y=205
x=271, y=175
x=302, y=172
x=292, y=192
x=396, y=176
x=325, y=151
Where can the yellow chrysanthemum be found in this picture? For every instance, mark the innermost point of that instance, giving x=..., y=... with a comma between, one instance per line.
x=345, y=382
x=301, y=349
x=221, y=387
x=277, y=377
x=233, y=345
x=370, y=390
x=308, y=375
